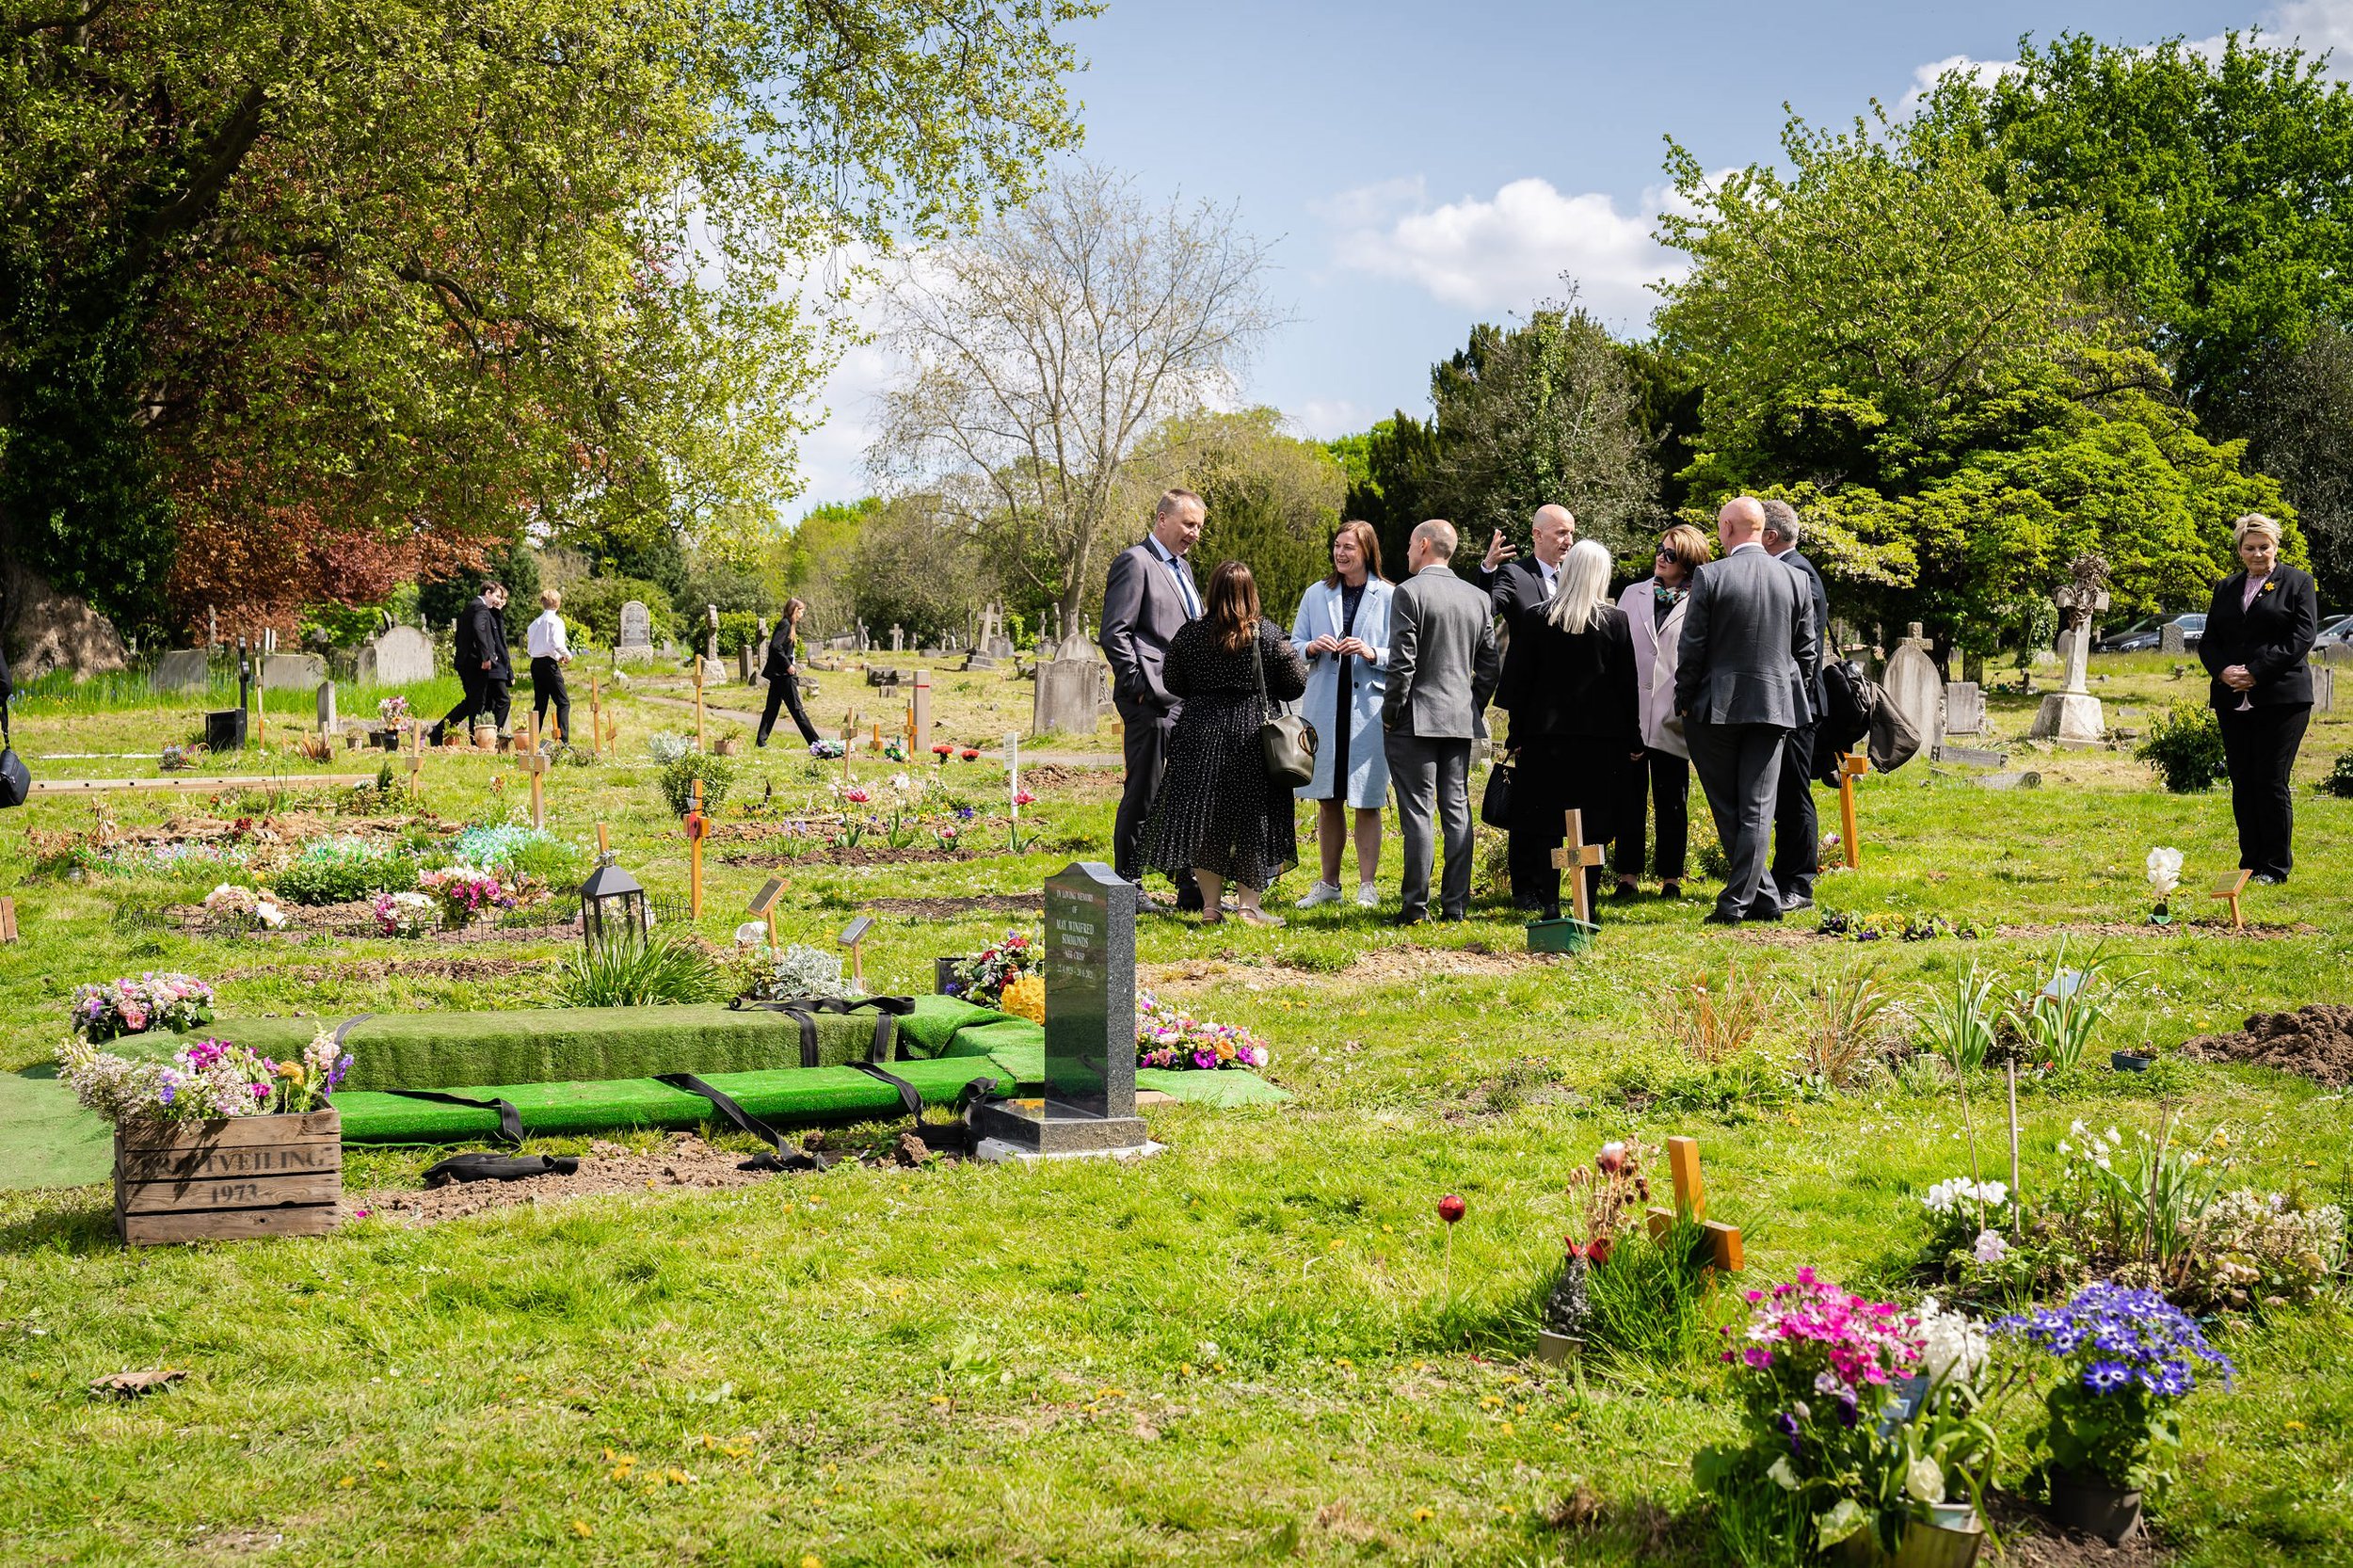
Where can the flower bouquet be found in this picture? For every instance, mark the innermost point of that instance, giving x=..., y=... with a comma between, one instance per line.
x=465, y=893
x=1170, y=1037
x=2164, y=869
x=981, y=979
x=393, y=711
x=209, y=1080
x=405, y=914
x=242, y=908
x=166, y=1001
x=1025, y=997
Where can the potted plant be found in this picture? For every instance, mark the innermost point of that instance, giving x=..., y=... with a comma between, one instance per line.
x=2164, y=869
x=220, y=1142
x=2125, y=1359
x=731, y=741
x=486, y=732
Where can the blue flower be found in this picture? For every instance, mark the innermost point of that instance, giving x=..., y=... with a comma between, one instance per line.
x=2170, y=1377
x=2106, y=1377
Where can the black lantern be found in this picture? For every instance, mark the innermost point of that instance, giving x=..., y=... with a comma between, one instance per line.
x=612, y=905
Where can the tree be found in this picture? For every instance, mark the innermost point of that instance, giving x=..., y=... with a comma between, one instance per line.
x=371, y=270
x=1042, y=350
x=918, y=566
x=1543, y=413
x=2298, y=411
x=1273, y=500
x=1391, y=470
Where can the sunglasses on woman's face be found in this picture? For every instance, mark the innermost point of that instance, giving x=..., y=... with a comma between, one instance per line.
x=1664, y=554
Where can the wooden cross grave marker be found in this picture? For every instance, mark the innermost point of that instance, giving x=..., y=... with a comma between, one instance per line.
x=1723, y=1241
x=8, y=919
x=2229, y=887
x=849, y=740
x=416, y=762
x=596, y=717
x=1572, y=859
x=1850, y=768
x=536, y=764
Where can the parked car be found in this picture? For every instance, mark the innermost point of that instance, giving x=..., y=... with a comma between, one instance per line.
x=2336, y=634
x=2144, y=638
x=2114, y=641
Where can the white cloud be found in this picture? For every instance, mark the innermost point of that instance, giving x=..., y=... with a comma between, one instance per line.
x=1923, y=79
x=1528, y=242
x=2318, y=26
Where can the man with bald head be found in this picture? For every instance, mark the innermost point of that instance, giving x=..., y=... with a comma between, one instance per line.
x=1515, y=586
x=1443, y=663
x=1748, y=650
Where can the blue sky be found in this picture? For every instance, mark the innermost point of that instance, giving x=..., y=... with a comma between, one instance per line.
x=1417, y=167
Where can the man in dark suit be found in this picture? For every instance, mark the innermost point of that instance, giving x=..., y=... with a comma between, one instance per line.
x=1151, y=595
x=1797, y=831
x=484, y=670
x=1747, y=649
x=1515, y=586
x=1443, y=663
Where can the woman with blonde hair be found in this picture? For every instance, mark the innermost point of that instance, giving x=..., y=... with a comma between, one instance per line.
x=1220, y=813
x=1569, y=685
x=2258, y=633
x=1660, y=780
x=1342, y=632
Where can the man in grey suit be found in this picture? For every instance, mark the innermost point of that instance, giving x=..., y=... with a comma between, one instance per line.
x=1443, y=664
x=1748, y=646
x=1797, y=831
x=1150, y=596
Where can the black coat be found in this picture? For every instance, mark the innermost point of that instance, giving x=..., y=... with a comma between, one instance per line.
x=1572, y=685
x=1514, y=587
x=779, y=663
x=1824, y=655
x=482, y=635
x=2272, y=637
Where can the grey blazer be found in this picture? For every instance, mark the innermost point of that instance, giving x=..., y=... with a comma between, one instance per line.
x=1443, y=659
x=1143, y=611
x=1749, y=646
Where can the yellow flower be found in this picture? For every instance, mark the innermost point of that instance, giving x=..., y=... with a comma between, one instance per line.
x=291, y=1072
x=811, y=1562
x=1507, y=1429
x=348, y=1482
x=1025, y=997
x=580, y=1528
x=1421, y=1515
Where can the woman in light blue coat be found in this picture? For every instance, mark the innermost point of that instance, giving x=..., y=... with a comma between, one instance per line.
x=1342, y=631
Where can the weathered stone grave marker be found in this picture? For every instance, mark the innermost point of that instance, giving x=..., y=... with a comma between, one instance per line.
x=1965, y=708
x=2072, y=714
x=1916, y=688
x=636, y=643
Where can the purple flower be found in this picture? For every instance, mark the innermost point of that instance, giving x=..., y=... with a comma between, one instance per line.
x=2171, y=1378
x=2106, y=1377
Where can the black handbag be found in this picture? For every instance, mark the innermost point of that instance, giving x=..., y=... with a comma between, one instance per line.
x=1287, y=739
x=1495, y=805
x=16, y=779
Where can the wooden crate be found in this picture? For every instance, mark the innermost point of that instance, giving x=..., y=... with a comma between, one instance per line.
x=238, y=1177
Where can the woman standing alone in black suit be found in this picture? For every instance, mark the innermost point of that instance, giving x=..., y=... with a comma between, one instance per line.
x=2259, y=632
x=781, y=670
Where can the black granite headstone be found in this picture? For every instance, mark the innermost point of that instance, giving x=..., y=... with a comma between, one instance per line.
x=1090, y=959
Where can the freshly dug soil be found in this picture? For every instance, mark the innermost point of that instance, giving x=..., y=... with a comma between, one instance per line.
x=2034, y=1540
x=2315, y=1040
x=952, y=908
x=854, y=855
x=393, y=969
x=356, y=919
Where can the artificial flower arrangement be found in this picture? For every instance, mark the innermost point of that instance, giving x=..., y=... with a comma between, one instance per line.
x=241, y=906
x=168, y=1001
x=1613, y=1193
x=392, y=709
x=2126, y=1359
x=1168, y=1036
x=405, y=914
x=825, y=751
x=465, y=893
x=981, y=979
x=494, y=845
x=206, y=1080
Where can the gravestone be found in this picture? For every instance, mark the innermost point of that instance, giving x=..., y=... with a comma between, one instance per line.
x=1971, y=757
x=400, y=656
x=1073, y=691
x=291, y=672
x=2071, y=715
x=2171, y=640
x=327, y=706
x=898, y=638
x=993, y=641
x=1965, y=708
x=1917, y=689
x=1089, y=1104
x=636, y=642
x=183, y=670
x=2323, y=688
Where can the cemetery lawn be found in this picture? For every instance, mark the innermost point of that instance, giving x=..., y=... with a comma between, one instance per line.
x=1256, y=1345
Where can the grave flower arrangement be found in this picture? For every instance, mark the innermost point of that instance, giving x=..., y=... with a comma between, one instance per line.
x=162, y=1000
x=465, y=893
x=208, y=1079
x=233, y=905
x=1025, y=997
x=1170, y=1037
x=2125, y=1359
x=794, y=973
x=2164, y=869
x=981, y=979
x=405, y=914
x=392, y=709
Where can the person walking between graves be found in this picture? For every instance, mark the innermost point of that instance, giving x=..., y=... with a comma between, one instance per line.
x=1443, y=664
x=1661, y=781
x=1519, y=589
x=1741, y=668
x=483, y=669
x=1572, y=687
x=2258, y=633
x=1150, y=597
x=780, y=668
x=1221, y=816
x=1797, y=831
x=1342, y=632
x=544, y=641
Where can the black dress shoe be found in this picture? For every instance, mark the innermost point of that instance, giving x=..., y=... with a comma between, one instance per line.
x=1719, y=917
x=1408, y=916
x=1526, y=905
x=1795, y=902
x=1766, y=912
x=1454, y=916
x=1625, y=889
x=1551, y=911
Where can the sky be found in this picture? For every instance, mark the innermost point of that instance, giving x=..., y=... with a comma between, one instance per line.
x=1419, y=167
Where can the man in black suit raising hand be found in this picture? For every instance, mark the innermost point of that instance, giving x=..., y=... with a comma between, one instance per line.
x=1515, y=586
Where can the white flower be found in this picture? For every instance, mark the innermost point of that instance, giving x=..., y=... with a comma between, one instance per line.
x=2114, y=1136
x=1952, y=1345
x=268, y=914
x=2165, y=871
x=1992, y=1246
x=2077, y=1127
x=751, y=934
x=1952, y=1192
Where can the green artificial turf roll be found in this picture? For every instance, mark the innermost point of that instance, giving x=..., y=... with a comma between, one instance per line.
x=786, y=1096
x=548, y=1044
x=947, y=1026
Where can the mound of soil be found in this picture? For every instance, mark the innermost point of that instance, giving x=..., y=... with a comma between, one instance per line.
x=2315, y=1040
x=356, y=919
x=951, y=908
x=851, y=854
x=393, y=969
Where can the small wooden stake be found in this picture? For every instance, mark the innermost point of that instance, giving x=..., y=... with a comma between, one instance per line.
x=1572, y=859
x=2229, y=887
x=537, y=763
x=2017, y=1204
x=8, y=919
x=694, y=853
x=596, y=717
x=604, y=841
x=849, y=741
x=699, y=705
x=416, y=762
x=1849, y=769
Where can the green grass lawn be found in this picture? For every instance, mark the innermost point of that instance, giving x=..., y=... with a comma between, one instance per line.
x=1254, y=1346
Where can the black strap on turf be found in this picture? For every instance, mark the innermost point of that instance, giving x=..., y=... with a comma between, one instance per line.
x=499, y=1167
x=938, y=1135
x=510, y=1120
x=785, y=1158
x=804, y=1010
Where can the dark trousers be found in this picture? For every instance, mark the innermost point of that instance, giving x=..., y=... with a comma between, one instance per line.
x=547, y=687
x=483, y=695
x=1797, y=831
x=1432, y=780
x=784, y=691
x=1554, y=777
x=2259, y=747
x=1664, y=779
x=1144, y=741
x=1740, y=769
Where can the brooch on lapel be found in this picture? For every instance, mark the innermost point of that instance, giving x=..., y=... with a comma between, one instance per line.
x=2268, y=586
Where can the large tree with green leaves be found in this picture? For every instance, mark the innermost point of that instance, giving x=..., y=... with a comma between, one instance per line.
x=343, y=278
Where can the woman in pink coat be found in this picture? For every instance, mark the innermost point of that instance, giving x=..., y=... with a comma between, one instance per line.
x=1654, y=613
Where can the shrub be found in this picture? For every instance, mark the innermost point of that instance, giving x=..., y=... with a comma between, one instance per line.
x=629, y=974
x=2186, y=749
x=343, y=871
x=1846, y=1027
x=2340, y=779
x=1712, y=1021
x=679, y=775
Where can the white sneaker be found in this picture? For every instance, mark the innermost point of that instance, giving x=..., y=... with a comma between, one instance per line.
x=1368, y=896
x=1322, y=892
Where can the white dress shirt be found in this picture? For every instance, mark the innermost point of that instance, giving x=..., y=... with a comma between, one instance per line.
x=1184, y=577
x=544, y=638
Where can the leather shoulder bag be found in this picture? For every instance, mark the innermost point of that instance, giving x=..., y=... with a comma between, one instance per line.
x=1287, y=739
